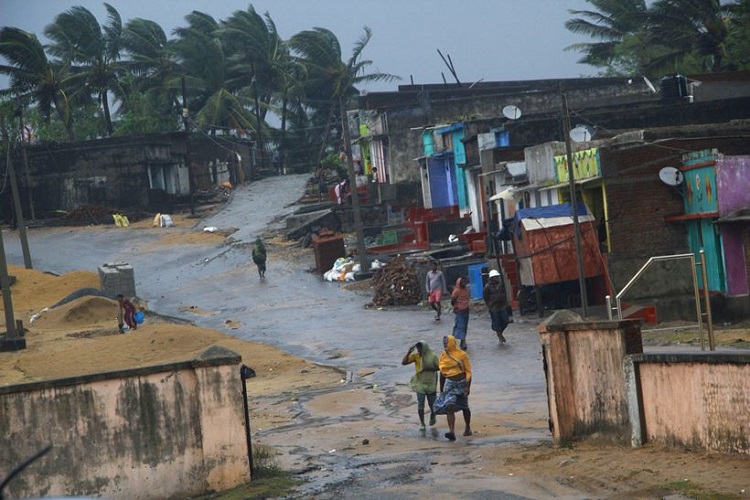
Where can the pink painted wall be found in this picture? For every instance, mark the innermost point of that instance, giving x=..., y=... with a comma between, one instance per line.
x=733, y=194
x=170, y=431
x=697, y=405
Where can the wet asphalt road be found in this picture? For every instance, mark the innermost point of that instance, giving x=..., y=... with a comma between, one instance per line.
x=300, y=313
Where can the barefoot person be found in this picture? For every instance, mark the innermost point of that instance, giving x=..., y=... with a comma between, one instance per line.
x=455, y=386
x=436, y=287
x=460, y=301
x=259, y=257
x=497, y=304
x=424, y=381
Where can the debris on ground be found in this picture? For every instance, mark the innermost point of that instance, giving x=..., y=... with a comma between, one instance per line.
x=343, y=270
x=396, y=284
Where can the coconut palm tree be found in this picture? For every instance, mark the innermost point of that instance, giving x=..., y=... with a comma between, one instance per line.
x=738, y=41
x=669, y=36
x=150, y=58
x=151, y=82
x=263, y=65
x=690, y=28
x=334, y=80
x=614, y=24
x=203, y=62
x=91, y=52
x=33, y=77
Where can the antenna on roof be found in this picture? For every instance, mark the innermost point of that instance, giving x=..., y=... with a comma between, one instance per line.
x=451, y=68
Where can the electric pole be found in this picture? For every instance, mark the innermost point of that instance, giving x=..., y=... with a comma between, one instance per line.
x=188, y=161
x=573, y=201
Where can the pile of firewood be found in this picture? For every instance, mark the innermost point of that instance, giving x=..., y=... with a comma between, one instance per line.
x=93, y=214
x=396, y=284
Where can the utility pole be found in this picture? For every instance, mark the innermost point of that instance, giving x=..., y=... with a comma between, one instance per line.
x=361, y=248
x=186, y=126
x=18, y=210
x=25, y=159
x=259, y=128
x=573, y=201
x=12, y=341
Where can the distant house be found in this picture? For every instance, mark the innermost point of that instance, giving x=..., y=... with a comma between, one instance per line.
x=137, y=173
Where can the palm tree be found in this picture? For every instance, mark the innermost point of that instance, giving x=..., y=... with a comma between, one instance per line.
x=615, y=23
x=262, y=63
x=331, y=82
x=91, y=51
x=151, y=59
x=203, y=62
x=691, y=28
x=331, y=77
x=738, y=41
x=32, y=76
x=151, y=82
x=669, y=36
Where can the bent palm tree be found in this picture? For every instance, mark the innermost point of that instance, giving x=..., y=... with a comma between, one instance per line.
x=262, y=64
x=335, y=80
x=32, y=76
x=615, y=23
x=203, y=61
x=91, y=51
x=691, y=28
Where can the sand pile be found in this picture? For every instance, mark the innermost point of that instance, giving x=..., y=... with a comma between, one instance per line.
x=81, y=337
x=79, y=313
x=35, y=290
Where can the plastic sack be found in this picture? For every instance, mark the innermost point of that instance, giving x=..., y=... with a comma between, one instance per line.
x=166, y=221
x=139, y=316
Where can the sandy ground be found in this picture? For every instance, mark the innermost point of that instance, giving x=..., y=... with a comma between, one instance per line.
x=81, y=337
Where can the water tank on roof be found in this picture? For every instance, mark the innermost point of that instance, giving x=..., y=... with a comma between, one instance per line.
x=673, y=88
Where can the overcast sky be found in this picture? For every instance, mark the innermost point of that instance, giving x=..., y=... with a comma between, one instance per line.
x=494, y=40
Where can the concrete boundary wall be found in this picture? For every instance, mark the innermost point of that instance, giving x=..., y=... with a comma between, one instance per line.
x=168, y=431
x=694, y=400
x=586, y=387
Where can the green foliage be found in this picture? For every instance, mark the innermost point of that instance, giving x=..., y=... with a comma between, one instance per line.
x=663, y=36
x=738, y=41
x=147, y=114
x=86, y=124
x=688, y=489
x=98, y=78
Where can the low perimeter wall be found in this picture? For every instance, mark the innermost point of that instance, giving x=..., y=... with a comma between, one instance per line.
x=167, y=431
x=585, y=382
x=601, y=385
x=696, y=400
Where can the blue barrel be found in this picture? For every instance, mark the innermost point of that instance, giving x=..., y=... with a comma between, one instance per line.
x=476, y=284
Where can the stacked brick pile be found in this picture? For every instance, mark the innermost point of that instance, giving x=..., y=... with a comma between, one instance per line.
x=116, y=278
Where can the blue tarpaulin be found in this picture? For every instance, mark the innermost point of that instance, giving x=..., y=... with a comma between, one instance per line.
x=561, y=210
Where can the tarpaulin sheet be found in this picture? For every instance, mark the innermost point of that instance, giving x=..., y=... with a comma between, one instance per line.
x=561, y=210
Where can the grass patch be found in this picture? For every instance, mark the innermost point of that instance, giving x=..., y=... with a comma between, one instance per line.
x=693, y=490
x=269, y=481
x=735, y=335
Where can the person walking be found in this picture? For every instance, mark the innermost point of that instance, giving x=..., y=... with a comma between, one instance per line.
x=436, y=287
x=455, y=386
x=259, y=257
x=460, y=301
x=497, y=304
x=424, y=381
